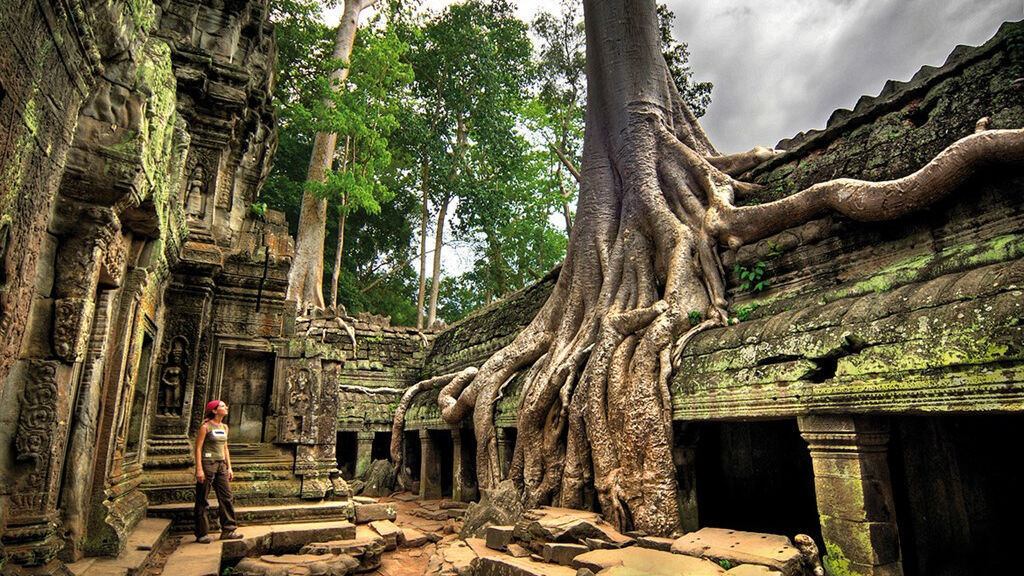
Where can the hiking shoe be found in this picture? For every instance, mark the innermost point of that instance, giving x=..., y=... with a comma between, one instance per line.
x=233, y=535
x=203, y=539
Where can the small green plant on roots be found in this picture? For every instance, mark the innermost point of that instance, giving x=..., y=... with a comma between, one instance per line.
x=695, y=317
x=753, y=278
x=743, y=311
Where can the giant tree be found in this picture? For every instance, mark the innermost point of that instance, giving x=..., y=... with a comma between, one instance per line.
x=305, y=279
x=656, y=200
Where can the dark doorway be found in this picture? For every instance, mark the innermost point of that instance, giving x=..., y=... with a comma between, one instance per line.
x=757, y=477
x=245, y=386
x=412, y=457
x=957, y=493
x=346, y=453
x=446, y=459
x=381, y=446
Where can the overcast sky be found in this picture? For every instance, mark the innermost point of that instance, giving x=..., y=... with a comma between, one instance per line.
x=780, y=67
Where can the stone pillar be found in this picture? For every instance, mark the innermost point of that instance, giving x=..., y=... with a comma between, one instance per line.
x=430, y=468
x=684, y=456
x=364, y=452
x=854, y=492
x=506, y=448
x=463, y=474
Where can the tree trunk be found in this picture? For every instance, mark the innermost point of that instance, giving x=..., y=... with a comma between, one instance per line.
x=435, y=283
x=421, y=296
x=594, y=410
x=305, y=280
x=336, y=274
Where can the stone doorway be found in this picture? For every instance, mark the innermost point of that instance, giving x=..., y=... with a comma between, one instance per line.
x=957, y=494
x=756, y=476
x=245, y=385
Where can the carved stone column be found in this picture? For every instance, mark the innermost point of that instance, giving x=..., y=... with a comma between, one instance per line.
x=463, y=475
x=430, y=467
x=684, y=455
x=506, y=448
x=364, y=451
x=854, y=492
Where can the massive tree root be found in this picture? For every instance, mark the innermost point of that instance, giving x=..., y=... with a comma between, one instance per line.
x=655, y=202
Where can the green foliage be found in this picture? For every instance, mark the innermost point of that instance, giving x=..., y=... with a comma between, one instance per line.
x=743, y=311
x=695, y=317
x=697, y=95
x=259, y=209
x=753, y=278
x=725, y=564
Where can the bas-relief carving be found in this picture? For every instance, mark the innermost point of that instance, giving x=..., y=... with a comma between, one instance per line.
x=38, y=414
x=172, y=378
x=302, y=390
x=196, y=194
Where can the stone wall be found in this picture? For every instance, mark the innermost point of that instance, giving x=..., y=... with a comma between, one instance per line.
x=882, y=317
x=133, y=138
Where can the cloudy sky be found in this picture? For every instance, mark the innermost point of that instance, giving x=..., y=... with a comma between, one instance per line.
x=782, y=66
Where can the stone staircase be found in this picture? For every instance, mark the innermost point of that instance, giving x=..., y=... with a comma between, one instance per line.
x=138, y=552
x=181, y=515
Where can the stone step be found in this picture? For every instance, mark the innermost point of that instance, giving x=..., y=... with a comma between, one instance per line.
x=194, y=559
x=144, y=540
x=181, y=514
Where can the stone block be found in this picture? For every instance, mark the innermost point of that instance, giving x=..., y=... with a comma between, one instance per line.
x=636, y=560
x=866, y=542
x=562, y=554
x=517, y=551
x=392, y=534
x=752, y=570
x=655, y=543
x=413, y=538
x=499, y=537
x=737, y=547
x=291, y=540
x=370, y=512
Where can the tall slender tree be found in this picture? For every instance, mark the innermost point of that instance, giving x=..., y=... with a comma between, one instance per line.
x=305, y=280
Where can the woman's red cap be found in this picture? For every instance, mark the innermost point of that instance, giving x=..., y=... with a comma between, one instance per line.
x=211, y=406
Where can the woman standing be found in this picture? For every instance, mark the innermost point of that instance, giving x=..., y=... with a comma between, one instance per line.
x=213, y=466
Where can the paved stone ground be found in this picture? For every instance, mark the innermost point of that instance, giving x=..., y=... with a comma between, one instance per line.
x=420, y=523
x=423, y=540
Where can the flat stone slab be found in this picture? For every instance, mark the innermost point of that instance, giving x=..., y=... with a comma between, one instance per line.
x=498, y=537
x=413, y=538
x=636, y=561
x=392, y=534
x=366, y=550
x=297, y=565
x=655, y=543
x=366, y=513
x=560, y=553
x=509, y=566
x=284, y=539
x=146, y=537
x=551, y=524
x=752, y=570
x=738, y=547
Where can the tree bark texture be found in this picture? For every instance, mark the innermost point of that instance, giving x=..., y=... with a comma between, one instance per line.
x=306, y=278
x=594, y=419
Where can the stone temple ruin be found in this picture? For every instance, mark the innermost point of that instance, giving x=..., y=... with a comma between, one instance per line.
x=870, y=399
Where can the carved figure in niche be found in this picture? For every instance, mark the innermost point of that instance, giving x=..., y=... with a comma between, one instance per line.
x=195, y=199
x=298, y=404
x=172, y=379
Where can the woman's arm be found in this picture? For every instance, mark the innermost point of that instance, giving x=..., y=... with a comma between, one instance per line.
x=200, y=439
x=227, y=456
